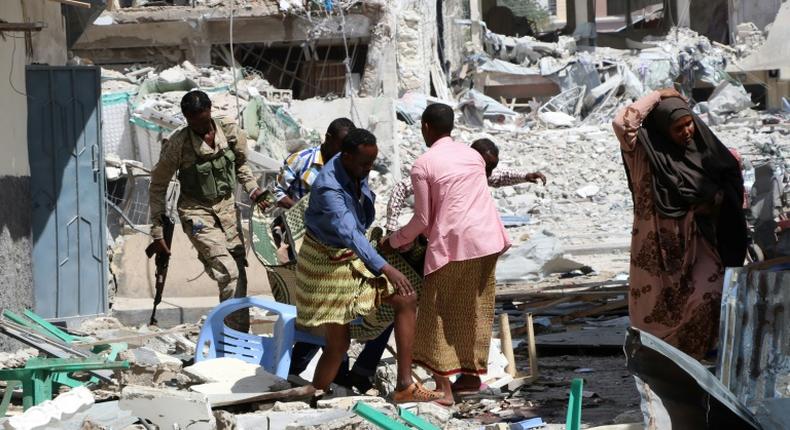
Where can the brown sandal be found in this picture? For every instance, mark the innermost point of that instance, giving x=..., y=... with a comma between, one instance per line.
x=416, y=393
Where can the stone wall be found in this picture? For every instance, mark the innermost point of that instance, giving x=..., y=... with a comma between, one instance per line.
x=47, y=46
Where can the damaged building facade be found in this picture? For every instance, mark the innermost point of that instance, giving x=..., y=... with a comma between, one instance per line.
x=543, y=79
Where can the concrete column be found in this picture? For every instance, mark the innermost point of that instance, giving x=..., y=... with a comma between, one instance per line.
x=683, y=10
x=199, y=54
x=584, y=19
x=475, y=14
x=381, y=74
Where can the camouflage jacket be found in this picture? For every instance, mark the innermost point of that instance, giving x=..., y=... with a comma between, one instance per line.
x=180, y=151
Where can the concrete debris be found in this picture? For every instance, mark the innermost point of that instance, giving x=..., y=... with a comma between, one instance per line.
x=435, y=414
x=348, y=403
x=729, y=98
x=230, y=370
x=18, y=358
x=542, y=255
x=166, y=408
x=225, y=420
x=148, y=367
x=299, y=420
x=234, y=381
x=50, y=413
x=100, y=416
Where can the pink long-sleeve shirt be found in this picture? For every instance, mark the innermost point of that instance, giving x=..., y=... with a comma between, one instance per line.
x=453, y=207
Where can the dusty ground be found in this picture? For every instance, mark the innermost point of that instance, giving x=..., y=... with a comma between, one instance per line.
x=609, y=393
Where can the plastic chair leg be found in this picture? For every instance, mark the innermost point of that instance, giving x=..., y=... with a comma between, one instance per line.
x=573, y=421
x=9, y=393
x=36, y=389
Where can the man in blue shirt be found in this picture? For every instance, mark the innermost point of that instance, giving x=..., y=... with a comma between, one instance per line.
x=339, y=272
x=295, y=180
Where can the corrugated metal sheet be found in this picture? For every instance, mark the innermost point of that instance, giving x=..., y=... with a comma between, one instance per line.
x=67, y=187
x=754, y=359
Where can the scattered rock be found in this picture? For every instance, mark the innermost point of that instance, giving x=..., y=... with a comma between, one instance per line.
x=225, y=420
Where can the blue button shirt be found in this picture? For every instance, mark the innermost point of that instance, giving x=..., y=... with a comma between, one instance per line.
x=336, y=218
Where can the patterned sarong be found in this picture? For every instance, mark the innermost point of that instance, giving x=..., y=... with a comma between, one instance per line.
x=282, y=276
x=455, y=317
x=334, y=286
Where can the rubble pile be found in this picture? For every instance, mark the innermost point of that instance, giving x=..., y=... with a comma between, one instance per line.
x=572, y=232
x=595, y=83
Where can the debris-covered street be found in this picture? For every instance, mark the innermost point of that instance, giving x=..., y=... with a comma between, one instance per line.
x=339, y=214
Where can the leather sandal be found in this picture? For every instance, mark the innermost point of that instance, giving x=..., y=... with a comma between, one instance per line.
x=416, y=393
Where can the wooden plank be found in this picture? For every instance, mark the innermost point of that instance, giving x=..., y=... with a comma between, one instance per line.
x=219, y=400
x=76, y=3
x=22, y=26
x=558, y=290
x=617, y=304
x=603, y=338
x=533, y=351
x=507, y=343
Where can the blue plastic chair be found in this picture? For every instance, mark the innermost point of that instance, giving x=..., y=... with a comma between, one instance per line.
x=272, y=353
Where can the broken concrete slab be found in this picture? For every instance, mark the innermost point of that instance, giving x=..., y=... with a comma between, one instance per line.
x=232, y=380
x=348, y=403
x=166, y=408
x=106, y=415
x=148, y=367
x=290, y=406
x=435, y=414
x=220, y=394
x=228, y=369
x=304, y=419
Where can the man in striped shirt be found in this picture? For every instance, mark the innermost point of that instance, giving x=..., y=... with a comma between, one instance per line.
x=499, y=178
x=301, y=168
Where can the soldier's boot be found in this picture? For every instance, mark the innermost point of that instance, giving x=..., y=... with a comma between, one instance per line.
x=240, y=320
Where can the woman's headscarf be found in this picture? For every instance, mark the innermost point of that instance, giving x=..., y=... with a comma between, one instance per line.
x=688, y=176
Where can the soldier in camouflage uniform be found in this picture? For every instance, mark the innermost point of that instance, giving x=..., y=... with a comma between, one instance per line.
x=210, y=156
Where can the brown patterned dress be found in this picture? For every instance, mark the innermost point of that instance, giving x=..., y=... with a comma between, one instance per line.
x=676, y=275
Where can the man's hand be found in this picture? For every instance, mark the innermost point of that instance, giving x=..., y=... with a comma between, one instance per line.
x=385, y=246
x=534, y=177
x=667, y=93
x=399, y=280
x=257, y=197
x=159, y=246
x=286, y=203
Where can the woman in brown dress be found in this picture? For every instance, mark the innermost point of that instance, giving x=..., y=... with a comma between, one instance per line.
x=688, y=222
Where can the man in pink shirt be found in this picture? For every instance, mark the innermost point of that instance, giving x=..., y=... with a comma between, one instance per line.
x=454, y=209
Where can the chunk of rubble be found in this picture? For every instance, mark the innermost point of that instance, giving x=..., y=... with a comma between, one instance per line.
x=348, y=403
x=148, y=367
x=229, y=380
x=167, y=408
x=50, y=413
x=304, y=419
x=435, y=414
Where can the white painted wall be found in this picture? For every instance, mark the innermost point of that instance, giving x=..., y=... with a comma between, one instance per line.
x=48, y=47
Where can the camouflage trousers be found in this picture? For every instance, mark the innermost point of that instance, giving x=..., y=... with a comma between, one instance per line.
x=216, y=238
